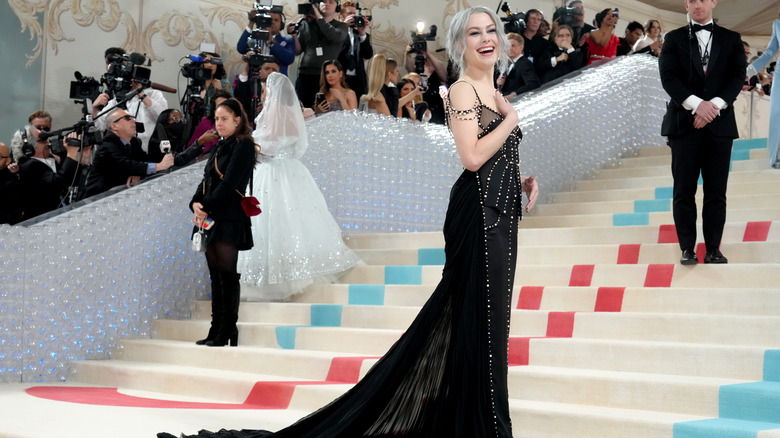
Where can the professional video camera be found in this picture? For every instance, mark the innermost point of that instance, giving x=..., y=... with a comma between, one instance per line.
x=262, y=14
x=122, y=70
x=258, y=46
x=196, y=72
x=84, y=87
x=360, y=19
x=512, y=22
x=566, y=15
x=307, y=9
x=420, y=47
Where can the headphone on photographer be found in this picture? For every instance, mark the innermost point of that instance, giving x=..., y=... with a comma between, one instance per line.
x=28, y=150
x=338, y=6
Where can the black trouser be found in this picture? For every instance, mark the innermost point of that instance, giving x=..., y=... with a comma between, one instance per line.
x=307, y=86
x=699, y=151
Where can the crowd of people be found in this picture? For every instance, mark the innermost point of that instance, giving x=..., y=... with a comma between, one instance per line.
x=338, y=69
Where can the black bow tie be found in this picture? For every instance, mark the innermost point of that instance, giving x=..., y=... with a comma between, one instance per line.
x=698, y=27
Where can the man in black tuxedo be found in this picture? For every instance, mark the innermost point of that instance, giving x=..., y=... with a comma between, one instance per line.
x=702, y=68
x=520, y=75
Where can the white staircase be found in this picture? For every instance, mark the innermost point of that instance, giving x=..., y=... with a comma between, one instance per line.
x=610, y=336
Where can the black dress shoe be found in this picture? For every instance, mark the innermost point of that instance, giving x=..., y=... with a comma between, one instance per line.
x=715, y=256
x=688, y=257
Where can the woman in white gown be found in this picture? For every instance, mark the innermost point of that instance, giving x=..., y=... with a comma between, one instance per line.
x=297, y=242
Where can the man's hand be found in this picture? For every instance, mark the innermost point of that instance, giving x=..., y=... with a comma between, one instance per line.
x=166, y=162
x=252, y=14
x=364, y=28
x=583, y=38
x=705, y=113
x=132, y=181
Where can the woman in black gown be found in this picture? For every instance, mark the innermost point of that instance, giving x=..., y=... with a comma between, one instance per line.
x=447, y=375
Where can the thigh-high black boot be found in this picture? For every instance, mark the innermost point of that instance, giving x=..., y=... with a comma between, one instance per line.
x=231, y=296
x=216, y=306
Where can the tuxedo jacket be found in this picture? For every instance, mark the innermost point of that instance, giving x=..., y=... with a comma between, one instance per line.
x=522, y=78
x=682, y=75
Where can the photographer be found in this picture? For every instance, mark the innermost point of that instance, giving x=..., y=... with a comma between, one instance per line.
x=357, y=47
x=534, y=43
x=437, y=76
x=243, y=91
x=10, y=192
x=41, y=185
x=281, y=47
x=120, y=160
x=145, y=106
x=321, y=37
x=574, y=16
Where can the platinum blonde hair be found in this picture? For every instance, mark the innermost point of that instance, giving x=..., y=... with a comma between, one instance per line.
x=456, y=38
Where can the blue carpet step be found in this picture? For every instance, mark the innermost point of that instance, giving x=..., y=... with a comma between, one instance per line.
x=722, y=428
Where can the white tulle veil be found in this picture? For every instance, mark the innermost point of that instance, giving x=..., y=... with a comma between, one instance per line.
x=280, y=129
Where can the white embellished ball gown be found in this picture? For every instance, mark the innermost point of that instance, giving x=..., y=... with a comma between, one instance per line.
x=297, y=241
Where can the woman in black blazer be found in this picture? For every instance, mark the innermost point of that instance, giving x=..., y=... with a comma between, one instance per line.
x=218, y=197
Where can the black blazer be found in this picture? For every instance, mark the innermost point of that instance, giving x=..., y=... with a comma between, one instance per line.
x=522, y=78
x=682, y=75
x=220, y=197
x=547, y=72
x=41, y=186
x=113, y=164
x=355, y=61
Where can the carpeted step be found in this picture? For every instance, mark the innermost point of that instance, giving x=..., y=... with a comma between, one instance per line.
x=618, y=389
x=672, y=358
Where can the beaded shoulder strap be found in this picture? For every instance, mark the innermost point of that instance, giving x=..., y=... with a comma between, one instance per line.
x=467, y=114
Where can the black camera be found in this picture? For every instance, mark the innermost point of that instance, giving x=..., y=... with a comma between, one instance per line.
x=84, y=87
x=420, y=45
x=261, y=52
x=262, y=15
x=122, y=70
x=196, y=71
x=566, y=15
x=512, y=22
x=360, y=19
x=308, y=8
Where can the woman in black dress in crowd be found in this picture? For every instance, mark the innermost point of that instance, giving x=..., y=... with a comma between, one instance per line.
x=218, y=197
x=447, y=375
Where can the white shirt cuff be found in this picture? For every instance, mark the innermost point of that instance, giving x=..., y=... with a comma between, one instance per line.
x=720, y=103
x=692, y=102
x=363, y=37
x=553, y=61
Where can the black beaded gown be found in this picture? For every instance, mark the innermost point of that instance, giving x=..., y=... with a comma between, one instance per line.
x=447, y=375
